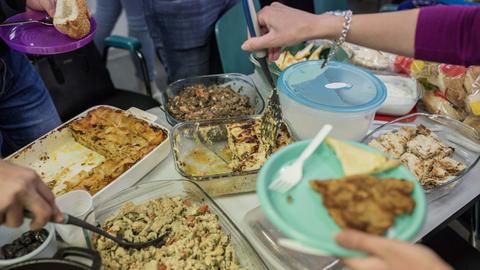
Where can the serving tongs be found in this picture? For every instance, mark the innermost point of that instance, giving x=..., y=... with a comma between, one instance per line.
x=272, y=117
x=71, y=220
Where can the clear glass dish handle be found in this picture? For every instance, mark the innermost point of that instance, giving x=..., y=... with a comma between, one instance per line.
x=467, y=131
x=464, y=130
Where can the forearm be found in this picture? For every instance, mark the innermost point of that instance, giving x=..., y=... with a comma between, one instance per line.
x=391, y=32
x=447, y=34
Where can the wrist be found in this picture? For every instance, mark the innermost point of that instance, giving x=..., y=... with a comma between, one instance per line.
x=328, y=26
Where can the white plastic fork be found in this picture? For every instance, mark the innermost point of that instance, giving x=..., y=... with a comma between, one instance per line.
x=291, y=174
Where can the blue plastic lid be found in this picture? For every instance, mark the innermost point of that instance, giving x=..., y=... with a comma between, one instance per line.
x=307, y=83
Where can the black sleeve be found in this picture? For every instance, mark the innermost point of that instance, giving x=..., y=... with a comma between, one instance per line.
x=18, y=5
x=10, y=7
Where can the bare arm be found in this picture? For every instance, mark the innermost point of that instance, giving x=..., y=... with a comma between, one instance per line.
x=392, y=32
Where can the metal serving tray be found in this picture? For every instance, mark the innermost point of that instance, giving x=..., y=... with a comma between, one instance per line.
x=58, y=153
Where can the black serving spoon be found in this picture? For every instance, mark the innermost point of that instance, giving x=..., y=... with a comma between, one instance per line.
x=71, y=220
x=272, y=116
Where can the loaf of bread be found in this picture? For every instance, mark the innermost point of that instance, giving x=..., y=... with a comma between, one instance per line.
x=71, y=18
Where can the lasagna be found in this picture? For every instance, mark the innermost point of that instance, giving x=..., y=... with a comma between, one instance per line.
x=120, y=138
x=245, y=145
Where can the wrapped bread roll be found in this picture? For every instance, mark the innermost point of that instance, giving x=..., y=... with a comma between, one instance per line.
x=473, y=121
x=473, y=99
x=71, y=18
x=435, y=103
x=473, y=73
x=450, y=82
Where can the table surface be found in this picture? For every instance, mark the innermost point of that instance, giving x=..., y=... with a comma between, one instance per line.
x=236, y=206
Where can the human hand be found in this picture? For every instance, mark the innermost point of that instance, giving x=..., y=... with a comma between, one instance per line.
x=387, y=254
x=42, y=5
x=285, y=26
x=23, y=189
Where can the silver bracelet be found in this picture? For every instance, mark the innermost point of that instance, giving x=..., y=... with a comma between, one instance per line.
x=347, y=15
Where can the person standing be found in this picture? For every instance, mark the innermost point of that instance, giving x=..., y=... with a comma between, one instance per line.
x=448, y=34
x=26, y=112
x=302, y=5
x=26, y=108
x=107, y=13
x=182, y=33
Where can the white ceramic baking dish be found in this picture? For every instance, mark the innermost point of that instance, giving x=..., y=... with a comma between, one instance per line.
x=58, y=153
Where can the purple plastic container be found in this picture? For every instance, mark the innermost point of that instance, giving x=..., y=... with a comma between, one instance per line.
x=39, y=39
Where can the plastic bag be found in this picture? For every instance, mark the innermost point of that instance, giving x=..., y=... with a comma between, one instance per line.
x=473, y=121
x=473, y=100
x=369, y=58
x=420, y=70
x=450, y=82
x=435, y=102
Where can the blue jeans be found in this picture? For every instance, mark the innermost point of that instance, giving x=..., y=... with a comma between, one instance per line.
x=181, y=31
x=107, y=13
x=26, y=108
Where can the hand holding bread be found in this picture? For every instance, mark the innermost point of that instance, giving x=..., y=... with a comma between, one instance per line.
x=72, y=18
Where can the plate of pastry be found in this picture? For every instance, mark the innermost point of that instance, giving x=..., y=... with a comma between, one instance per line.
x=345, y=185
x=71, y=28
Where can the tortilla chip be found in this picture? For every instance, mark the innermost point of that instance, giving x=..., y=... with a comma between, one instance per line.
x=304, y=53
x=280, y=60
x=358, y=161
x=316, y=54
x=289, y=60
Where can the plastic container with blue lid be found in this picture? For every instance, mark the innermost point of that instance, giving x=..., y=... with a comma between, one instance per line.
x=342, y=95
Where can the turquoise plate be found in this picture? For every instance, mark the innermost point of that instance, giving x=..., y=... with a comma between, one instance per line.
x=304, y=218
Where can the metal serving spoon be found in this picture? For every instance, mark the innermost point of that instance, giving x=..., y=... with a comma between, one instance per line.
x=48, y=21
x=71, y=220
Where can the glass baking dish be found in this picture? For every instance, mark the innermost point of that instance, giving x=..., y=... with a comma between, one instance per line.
x=199, y=155
x=264, y=236
x=238, y=82
x=245, y=253
x=464, y=139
